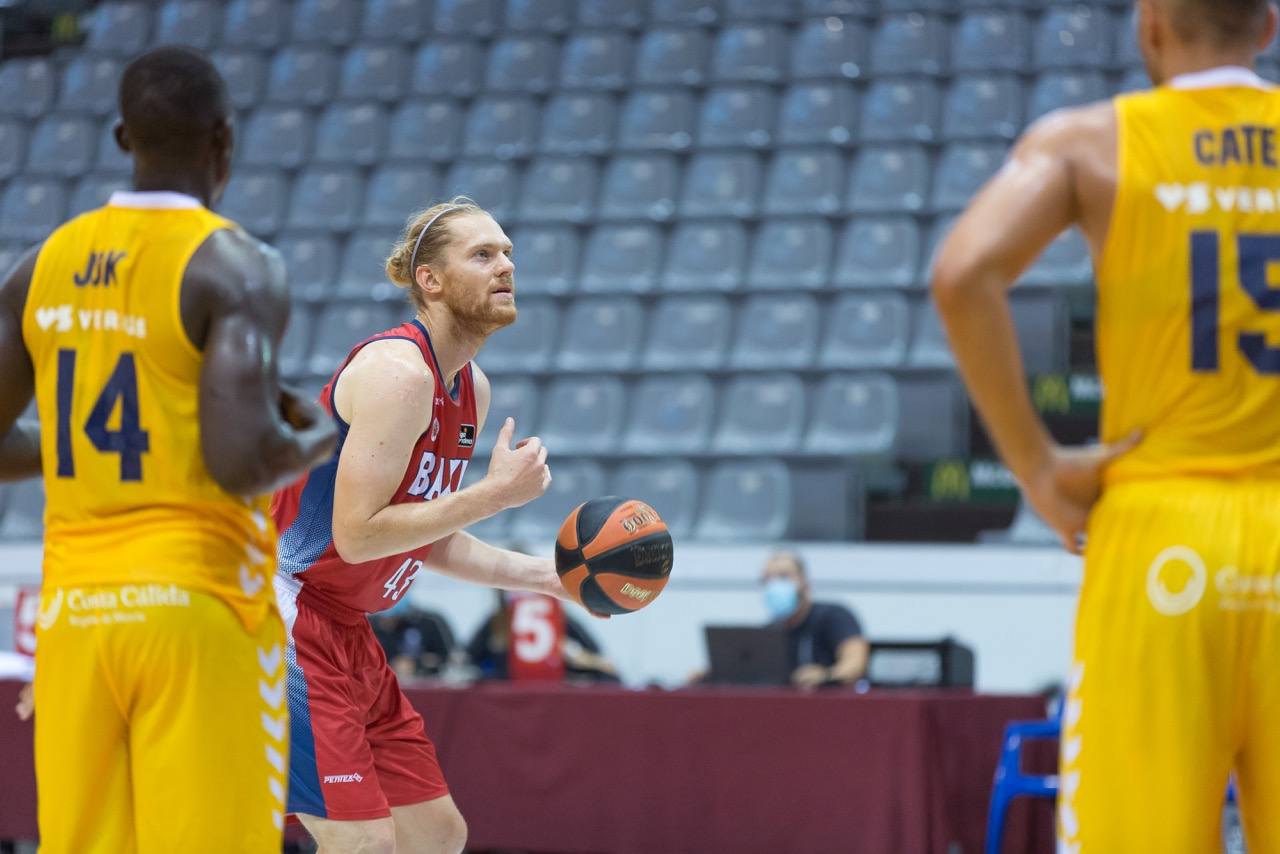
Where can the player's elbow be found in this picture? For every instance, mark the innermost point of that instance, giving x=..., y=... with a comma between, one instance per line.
x=350, y=542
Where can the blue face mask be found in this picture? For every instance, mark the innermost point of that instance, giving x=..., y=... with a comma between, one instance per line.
x=780, y=598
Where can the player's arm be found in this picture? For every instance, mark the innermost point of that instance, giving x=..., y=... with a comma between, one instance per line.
x=386, y=396
x=255, y=435
x=1009, y=223
x=20, y=447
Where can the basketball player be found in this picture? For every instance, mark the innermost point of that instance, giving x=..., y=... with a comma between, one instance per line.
x=147, y=330
x=1177, y=645
x=409, y=404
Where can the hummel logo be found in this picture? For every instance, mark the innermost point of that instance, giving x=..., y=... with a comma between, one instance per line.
x=344, y=778
x=250, y=583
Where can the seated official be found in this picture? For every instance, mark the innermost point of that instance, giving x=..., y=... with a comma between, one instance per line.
x=583, y=659
x=827, y=646
x=417, y=642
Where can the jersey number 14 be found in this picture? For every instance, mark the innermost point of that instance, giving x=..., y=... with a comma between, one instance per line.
x=130, y=441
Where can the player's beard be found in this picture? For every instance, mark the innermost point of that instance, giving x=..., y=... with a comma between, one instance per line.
x=474, y=310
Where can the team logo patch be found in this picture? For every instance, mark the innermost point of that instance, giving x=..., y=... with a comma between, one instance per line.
x=467, y=436
x=435, y=428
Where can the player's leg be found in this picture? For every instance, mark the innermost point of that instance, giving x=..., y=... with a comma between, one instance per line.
x=82, y=751
x=1147, y=729
x=209, y=727
x=351, y=837
x=431, y=827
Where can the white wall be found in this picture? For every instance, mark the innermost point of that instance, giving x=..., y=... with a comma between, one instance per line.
x=1014, y=606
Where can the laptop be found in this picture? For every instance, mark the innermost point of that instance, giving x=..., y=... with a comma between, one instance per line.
x=748, y=655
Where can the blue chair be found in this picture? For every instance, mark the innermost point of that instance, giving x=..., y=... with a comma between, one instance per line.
x=1011, y=782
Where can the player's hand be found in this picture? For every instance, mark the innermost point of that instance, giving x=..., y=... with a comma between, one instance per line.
x=518, y=474
x=300, y=412
x=26, y=702
x=810, y=676
x=1066, y=487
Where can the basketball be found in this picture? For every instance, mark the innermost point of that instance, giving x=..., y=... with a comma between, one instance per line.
x=613, y=555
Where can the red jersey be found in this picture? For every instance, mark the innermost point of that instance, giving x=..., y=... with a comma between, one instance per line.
x=308, y=562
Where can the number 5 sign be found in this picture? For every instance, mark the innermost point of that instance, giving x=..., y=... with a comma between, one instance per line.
x=537, y=630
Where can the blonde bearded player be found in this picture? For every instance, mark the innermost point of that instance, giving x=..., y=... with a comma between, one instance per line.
x=1177, y=646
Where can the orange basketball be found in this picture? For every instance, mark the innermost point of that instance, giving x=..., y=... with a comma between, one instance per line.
x=613, y=555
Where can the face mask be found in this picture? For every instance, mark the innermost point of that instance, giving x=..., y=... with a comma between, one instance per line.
x=780, y=598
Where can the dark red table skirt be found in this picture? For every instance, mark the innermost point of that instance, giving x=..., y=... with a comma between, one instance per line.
x=578, y=770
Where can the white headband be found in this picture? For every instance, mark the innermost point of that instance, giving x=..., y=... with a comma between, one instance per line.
x=421, y=234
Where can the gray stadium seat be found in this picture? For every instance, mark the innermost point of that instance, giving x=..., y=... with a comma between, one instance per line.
x=866, y=331
x=258, y=24
x=512, y=397
x=1072, y=37
x=492, y=184
x=572, y=482
x=901, y=111
x=246, y=74
x=312, y=264
x=1127, y=52
x=790, y=253
x=551, y=16
x=1065, y=89
x=899, y=6
x=737, y=117
x=332, y=22
x=120, y=28
x=776, y=332
x=546, y=258
x=639, y=186
x=451, y=68
x=425, y=130
x=818, y=114
x=327, y=198
x=559, y=189
x=526, y=64
x=685, y=12
x=9, y=257
x=854, y=415
x=596, y=60
x=31, y=208
x=878, y=252
x=60, y=145
x=23, y=511
x=933, y=419
x=1066, y=261
x=622, y=258
x=395, y=192
x=937, y=233
x=991, y=40
x=110, y=158
x=983, y=107
x=342, y=326
x=672, y=57
x=197, y=23
x=910, y=44
x=657, y=120
x=362, y=273
x=889, y=180
x=761, y=10
x=604, y=14
x=668, y=486
x=746, y=500
x=27, y=87
x=303, y=75
x=374, y=73
x=601, y=334
x=90, y=84
x=93, y=191
x=750, y=53
x=256, y=200
x=13, y=148
x=829, y=48
x=474, y=18
x=578, y=123
x=525, y=346
x=929, y=345
x=394, y=20
x=860, y=8
x=804, y=181
x=1043, y=328
x=688, y=333
x=501, y=126
x=495, y=529
x=962, y=170
x=670, y=415
x=1137, y=80
x=761, y=414
x=351, y=133
x=277, y=136
x=706, y=256
x=295, y=350
x=721, y=184
x=583, y=415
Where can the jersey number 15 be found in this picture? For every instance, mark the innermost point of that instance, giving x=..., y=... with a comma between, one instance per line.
x=130, y=441
x=1255, y=252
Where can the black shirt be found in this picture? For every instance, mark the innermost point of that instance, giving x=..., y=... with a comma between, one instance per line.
x=818, y=636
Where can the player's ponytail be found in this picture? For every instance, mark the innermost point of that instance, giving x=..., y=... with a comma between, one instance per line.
x=425, y=236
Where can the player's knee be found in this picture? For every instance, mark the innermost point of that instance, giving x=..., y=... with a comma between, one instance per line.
x=379, y=838
x=455, y=834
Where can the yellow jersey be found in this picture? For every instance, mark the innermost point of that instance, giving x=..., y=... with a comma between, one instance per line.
x=1188, y=323
x=128, y=497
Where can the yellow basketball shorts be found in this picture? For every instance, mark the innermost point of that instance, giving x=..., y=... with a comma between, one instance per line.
x=1176, y=675
x=161, y=723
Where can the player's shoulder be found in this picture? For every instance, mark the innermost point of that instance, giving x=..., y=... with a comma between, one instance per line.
x=393, y=368
x=1067, y=129
x=231, y=262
